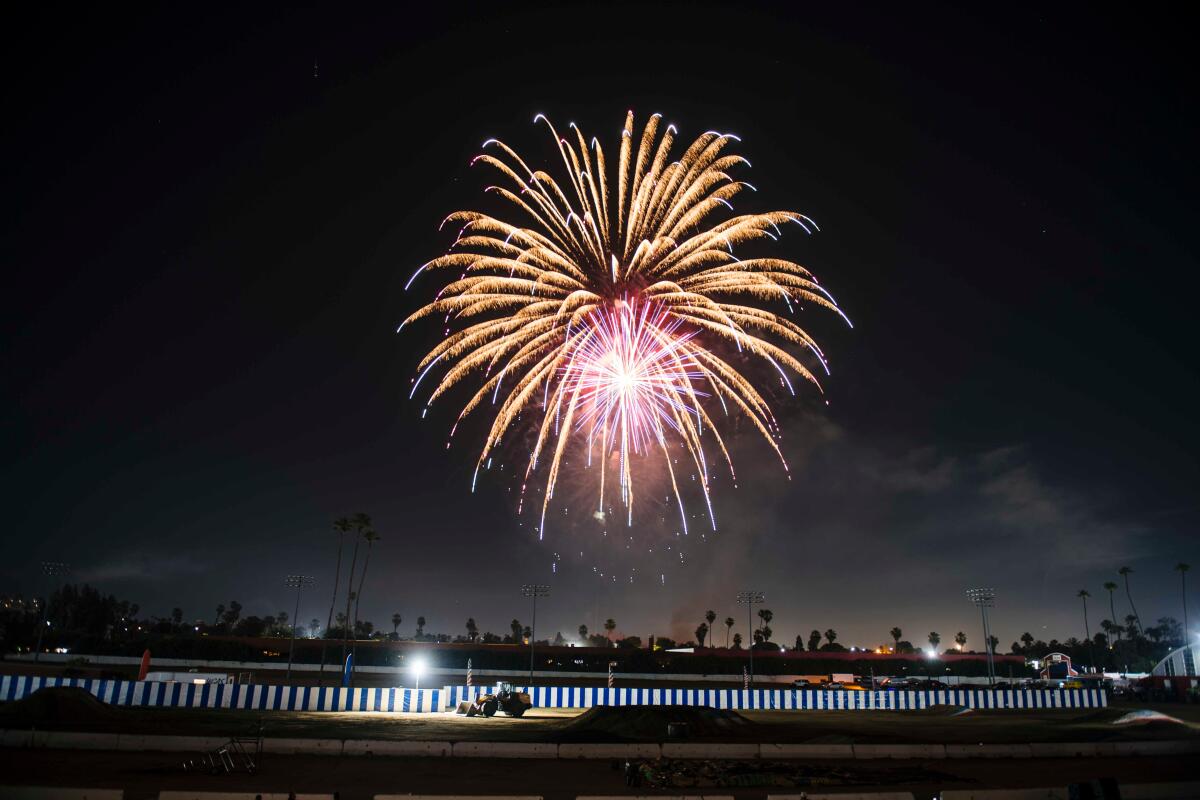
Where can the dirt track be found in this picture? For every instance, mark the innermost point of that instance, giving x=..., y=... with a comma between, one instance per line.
x=826, y=727
x=142, y=775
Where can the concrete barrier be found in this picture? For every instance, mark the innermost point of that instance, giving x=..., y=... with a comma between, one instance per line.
x=395, y=749
x=1062, y=749
x=655, y=797
x=988, y=751
x=699, y=750
x=189, y=795
x=1161, y=748
x=505, y=750
x=806, y=751
x=306, y=747
x=1161, y=791
x=1044, y=793
x=868, y=751
x=586, y=750
x=59, y=793
x=459, y=797
x=864, y=796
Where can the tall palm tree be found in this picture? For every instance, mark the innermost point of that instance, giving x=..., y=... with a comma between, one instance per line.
x=341, y=526
x=1182, y=569
x=1111, y=587
x=1083, y=595
x=370, y=537
x=935, y=639
x=1124, y=573
x=728, y=628
x=360, y=522
x=896, y=634
x=610, y=625
x=396, y=620
x=766, y=615
x=710, y=617
x=960, y=639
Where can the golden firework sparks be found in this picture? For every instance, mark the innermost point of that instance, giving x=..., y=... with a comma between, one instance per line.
x=594, y=314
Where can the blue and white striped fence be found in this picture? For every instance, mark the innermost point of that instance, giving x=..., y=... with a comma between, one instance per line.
x=244, y=696
x=313, y=698
x=804, y=699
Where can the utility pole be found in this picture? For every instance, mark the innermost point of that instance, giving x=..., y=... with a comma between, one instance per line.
x=985, y=599
x=296, y=582
x=751, y=598
x=49, y=569
x=534, y=591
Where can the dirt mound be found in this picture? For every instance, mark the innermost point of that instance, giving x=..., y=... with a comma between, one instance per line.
x=55, y=705
x=650, y=724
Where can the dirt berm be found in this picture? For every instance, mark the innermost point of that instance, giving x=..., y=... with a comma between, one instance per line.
x=650, y=724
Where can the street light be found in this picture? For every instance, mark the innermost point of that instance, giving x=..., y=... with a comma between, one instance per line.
x=985, y=599
x=417, y=669
x=50, y=569
x=296, y=582
x=534, y=591
x=751, y=598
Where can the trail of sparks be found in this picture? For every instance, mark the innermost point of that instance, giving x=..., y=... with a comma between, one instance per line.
x=601, y=309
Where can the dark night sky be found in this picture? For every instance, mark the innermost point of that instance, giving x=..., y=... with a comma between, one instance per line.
x=206, y=248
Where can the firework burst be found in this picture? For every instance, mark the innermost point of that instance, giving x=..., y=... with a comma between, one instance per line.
x=594, y=313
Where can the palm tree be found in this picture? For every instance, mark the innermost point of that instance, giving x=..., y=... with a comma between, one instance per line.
x=583, y=633
x=766, y=615
x=701, y=632
x=1083, y=595
x=420, y=627
x=371, y=537
x=1182, y=569
x=360, y=522
x=1111, y=587
x=710, y=617
x=342, y=526
x=728, y=628
x=396, y=620
x=610, y=625
x=1124, y=572
x=960, y=639
x=472, y=629
x=935, y=639
x=831, y=635
x=896, y=634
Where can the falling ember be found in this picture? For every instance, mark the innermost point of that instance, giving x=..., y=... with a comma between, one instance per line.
x=599, y=312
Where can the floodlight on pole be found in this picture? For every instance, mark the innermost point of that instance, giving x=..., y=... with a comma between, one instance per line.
x=533, y=591
x=51, y=569
x=985, y=598
x=751, y=598
x=296, y=582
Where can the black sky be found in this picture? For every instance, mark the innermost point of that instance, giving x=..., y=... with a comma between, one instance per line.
x=206, y=248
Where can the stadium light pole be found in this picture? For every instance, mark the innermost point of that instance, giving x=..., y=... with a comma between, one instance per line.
x=751, y=598
x=49, y=569
x=985, y=599
x=534, y=591
x=296, y=582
